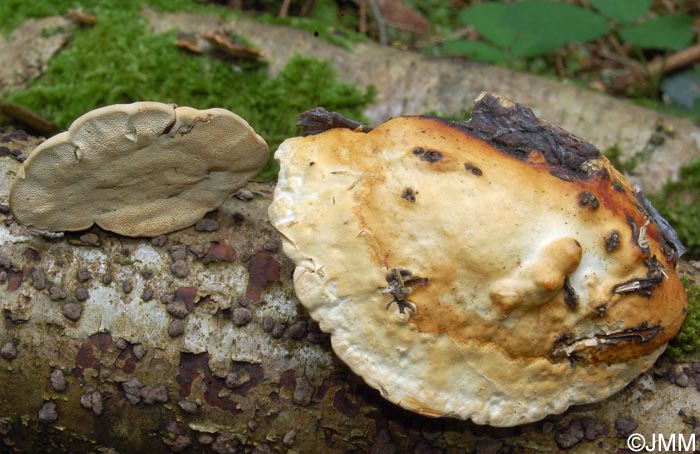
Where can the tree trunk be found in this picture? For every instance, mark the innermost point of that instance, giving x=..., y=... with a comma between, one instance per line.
x=91, y=358
x=104, y=348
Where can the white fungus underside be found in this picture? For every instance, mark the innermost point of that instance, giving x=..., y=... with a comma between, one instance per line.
x=338, y=281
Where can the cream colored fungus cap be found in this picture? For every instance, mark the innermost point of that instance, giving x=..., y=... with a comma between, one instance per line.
x=499, y=275
x=141, y=169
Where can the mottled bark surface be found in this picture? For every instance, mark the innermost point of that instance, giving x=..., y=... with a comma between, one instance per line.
x=92, y=357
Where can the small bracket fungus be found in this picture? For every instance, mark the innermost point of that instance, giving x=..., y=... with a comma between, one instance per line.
x=141, y=169
x=521, y=273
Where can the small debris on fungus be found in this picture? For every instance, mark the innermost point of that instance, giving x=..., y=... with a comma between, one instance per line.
x=181, y=163
x=57, y=293
x=147, y=294
x=127, y=286
x=206, y=225
x=176, y=328
x=178, y=309
x=83, y=275
x=462, y=307
x=188, y=406
x=241, y=316
x=81, y=294
x=72, y=310
x=179, y=269
x=48, y=413
x=8, y=351
x=92, y=400
x=58, y=380
x=39, y=278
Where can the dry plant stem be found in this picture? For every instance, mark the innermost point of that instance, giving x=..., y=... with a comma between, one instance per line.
x=658, y=66
x=284, y=9
x=362, y=15
x=379, y=19
x=307, y=7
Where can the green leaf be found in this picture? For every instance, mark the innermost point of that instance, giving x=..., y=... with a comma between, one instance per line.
x=487, y=19
x=623, y=11
x=666, y=33
x=542, y=26
x=477, y=50
x=532, y=27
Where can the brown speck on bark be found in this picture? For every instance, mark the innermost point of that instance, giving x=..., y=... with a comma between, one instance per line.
x=262, y=269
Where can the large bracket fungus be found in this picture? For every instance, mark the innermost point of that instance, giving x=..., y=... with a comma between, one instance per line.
x=499, y=270
x=141, y=169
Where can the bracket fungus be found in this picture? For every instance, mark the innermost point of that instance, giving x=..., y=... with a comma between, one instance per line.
x=141, y=169
x=498, y=270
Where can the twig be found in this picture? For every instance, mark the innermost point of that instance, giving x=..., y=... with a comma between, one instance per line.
x=362, y=15
x=284, y=9
x=379, y=19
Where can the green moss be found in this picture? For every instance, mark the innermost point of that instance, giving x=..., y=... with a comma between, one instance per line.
x=678, y=203
x=14, y=12
x=120, y=61
x=687, y=342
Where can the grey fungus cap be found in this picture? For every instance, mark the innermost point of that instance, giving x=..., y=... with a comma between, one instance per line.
x=141, y=169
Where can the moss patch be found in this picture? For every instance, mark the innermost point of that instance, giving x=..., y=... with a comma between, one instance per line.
x=678, y=203
x=687, y=342
x=120, y=61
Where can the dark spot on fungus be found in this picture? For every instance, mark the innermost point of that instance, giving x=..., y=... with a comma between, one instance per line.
x=262, y=268
x=643, y=285
x=586, y=199
x=612, y=241
x=618, y=187
x=409, y=194
x=473, y=169
x=427, y=155
x=178, y=252
x=570, y=296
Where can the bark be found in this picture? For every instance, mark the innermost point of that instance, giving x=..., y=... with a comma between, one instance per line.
x=89, y=363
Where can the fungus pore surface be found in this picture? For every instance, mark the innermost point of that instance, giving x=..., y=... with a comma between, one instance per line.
x=498, y=270
x=141, y=169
